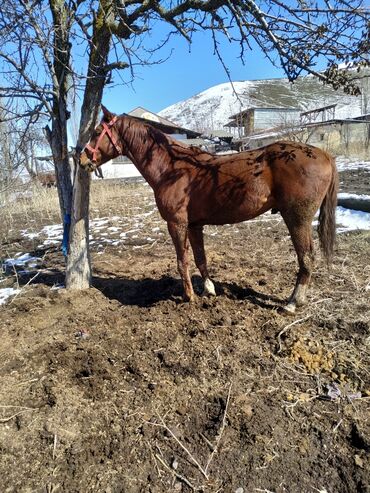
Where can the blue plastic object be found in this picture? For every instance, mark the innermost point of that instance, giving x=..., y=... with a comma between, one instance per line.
x=66, y=227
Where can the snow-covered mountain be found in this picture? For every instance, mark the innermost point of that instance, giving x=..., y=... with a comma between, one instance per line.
x=212, y=108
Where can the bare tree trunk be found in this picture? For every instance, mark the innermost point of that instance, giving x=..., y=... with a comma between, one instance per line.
x=59, y=149
x=78, y=274
x=57, y=136
x=6, y=167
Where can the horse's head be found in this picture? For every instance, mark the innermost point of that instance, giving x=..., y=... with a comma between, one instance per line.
x=104, y=143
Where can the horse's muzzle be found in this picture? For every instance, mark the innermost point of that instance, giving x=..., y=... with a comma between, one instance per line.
x=86, y=163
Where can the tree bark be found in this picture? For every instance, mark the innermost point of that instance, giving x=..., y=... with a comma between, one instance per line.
x=58, y=136
x=59, y=150
x=78, y=273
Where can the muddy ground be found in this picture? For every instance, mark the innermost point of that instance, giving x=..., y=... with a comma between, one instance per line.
x=125, y=388
x=355, y=181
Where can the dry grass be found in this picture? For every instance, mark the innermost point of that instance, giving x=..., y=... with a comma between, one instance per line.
x=117, y=197
x=32, y=205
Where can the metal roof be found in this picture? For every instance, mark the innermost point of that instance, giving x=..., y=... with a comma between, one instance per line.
x=196, y=142
x=141, y=112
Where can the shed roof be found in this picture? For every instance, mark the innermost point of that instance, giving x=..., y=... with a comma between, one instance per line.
x=141, y=112
x=196, y=142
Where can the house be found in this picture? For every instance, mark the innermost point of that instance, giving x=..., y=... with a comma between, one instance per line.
x=347, y=136
x=253, y=120
x=318, y=126
x=163, y=124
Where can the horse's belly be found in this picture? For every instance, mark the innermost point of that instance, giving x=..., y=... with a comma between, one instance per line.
x=231, y=213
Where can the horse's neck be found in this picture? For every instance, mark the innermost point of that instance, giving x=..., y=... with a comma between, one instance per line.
x=143, y=150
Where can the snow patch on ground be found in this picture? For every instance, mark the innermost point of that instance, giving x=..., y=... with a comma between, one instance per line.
x=105, y=231
x=350, y=220
x=56, y=287
x=345, y=195
x=21, y=260
x=6, y=293
x=344, y=164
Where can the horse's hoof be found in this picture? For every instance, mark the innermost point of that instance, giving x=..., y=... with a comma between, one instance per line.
x=290, y=308
x=209, y=288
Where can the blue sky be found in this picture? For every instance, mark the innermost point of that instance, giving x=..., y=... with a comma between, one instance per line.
x=189, y=70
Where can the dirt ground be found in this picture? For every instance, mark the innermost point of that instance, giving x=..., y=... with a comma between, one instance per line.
x=125, y=388
x=355, y=181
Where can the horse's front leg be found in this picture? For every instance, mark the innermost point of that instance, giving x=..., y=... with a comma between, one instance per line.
x=179, y=235
x=197, y=244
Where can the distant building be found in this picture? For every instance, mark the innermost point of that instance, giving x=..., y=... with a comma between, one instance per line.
x=256, y=127
x=253, y=120
x=323, y=114
x=163, y=124
x=349, y=137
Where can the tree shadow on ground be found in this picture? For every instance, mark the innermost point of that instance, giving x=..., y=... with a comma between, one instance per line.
x=140, y=292
x=49, y=277
x=149, y=291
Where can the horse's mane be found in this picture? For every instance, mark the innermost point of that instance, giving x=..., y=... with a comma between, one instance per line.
x=142, y=131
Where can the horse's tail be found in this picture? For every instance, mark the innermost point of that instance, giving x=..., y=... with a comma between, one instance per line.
x=326, y=228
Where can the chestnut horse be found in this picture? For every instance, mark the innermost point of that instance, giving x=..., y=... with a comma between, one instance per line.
x=193, y=188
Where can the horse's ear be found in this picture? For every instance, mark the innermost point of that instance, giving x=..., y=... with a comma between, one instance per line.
x=106, y=113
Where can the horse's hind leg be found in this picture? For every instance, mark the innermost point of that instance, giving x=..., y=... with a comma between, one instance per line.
x=179, y=235
x=301, y=234
x=197, y=244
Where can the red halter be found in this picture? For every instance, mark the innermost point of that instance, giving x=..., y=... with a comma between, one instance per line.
x=106, y=130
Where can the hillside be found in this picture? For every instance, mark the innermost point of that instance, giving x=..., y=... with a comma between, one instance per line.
x=211, y=108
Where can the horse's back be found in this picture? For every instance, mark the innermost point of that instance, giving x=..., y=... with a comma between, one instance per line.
x=283, y=175
x=296, y=153
x=300, y=172
x=209, y=189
